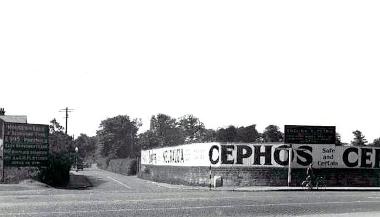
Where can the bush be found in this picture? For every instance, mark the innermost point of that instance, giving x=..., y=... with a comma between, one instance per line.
x=57, y=171
x=102, y=163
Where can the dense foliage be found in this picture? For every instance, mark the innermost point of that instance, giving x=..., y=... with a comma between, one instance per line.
x=167, y=131
x=60, y=159
x=376, y=142
x=59, y=142
x=117, y=137
x=57, y=171
x=359, y=139
x=241, y=134
x=86, y=147
x=272, y=133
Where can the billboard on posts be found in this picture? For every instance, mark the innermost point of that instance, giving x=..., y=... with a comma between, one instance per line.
x=25, y=145
x=300, y=134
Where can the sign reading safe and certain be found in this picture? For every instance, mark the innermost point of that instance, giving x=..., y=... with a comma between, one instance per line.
x=26, y=145
x=298, y=134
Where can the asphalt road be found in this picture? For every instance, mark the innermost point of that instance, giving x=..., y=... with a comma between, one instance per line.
x=117, y=195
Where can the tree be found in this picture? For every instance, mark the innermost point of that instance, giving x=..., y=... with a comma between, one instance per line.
x=241, y=134
x=260, y=138
x=165, y=129
x=59, y=142
x=338, y=141
x=247, y=134
x=55, y=126
x=221, y=135
x=226, y=135
x=117, y=137
x=359, y=139
x=376, y=142
x=86, y=146
x=210, y=136
x=61, y=148
x=272, y=133
x=148, y=140
x=193, y=129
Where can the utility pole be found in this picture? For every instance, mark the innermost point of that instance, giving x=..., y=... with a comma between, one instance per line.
x=66, y=110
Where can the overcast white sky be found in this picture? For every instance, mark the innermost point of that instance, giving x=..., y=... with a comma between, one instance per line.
x=226, y=62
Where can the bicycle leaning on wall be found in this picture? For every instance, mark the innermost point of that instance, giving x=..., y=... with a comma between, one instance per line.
x=312, y=181
x=317, y=182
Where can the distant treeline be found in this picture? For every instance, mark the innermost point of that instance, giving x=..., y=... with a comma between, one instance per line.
x=118, y=136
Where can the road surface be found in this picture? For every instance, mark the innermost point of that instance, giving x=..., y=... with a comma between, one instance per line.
x=118, y=195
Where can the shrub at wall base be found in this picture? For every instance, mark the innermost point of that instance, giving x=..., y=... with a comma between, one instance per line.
x=57, y=171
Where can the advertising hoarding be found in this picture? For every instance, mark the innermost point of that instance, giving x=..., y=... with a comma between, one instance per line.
x=263, y=155
x=300, y=134
x=25, y=145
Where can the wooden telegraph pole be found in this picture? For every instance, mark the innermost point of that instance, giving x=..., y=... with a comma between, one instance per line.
x=66, y=110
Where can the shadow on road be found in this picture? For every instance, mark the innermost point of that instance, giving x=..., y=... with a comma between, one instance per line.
x=95, y=181
x=78, y=182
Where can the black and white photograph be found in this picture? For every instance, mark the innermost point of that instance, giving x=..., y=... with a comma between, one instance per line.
x=201, y=108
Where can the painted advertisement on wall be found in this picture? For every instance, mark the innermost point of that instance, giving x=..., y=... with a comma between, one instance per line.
x=331, y=156
x=263, y=155
x=183, y=155
x=253, y=155
x=216, y=154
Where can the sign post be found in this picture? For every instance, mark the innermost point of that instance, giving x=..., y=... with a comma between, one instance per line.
x=290, y=155
x=2, y=168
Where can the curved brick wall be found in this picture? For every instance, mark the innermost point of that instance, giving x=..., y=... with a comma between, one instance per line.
x=260, y=164
x=253, y=176
x=199, y=176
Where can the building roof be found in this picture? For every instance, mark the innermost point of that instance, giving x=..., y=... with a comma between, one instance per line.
x=14, y=118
